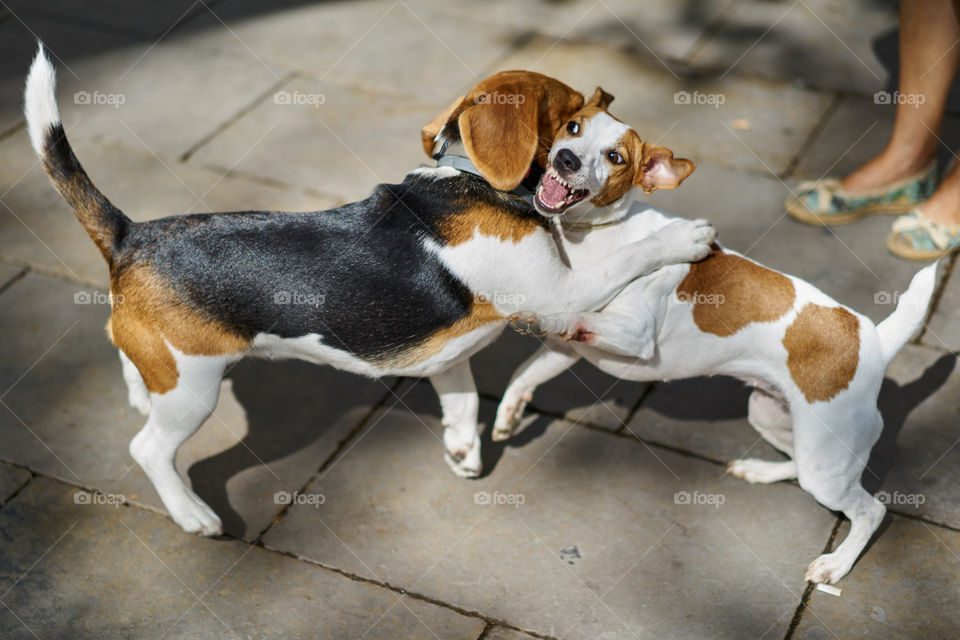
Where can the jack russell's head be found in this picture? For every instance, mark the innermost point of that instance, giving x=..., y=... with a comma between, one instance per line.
x=596, y=160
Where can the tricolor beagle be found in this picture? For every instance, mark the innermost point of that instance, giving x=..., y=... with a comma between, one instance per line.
x=404, y=283
x=816, y=365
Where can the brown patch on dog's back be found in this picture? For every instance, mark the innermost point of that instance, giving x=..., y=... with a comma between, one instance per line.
x=147, y=315
x=486, y=220
x=729, y=292
x=823, y=349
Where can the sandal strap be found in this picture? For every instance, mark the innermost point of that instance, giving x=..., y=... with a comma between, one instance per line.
x=825, y=188
x=942, y=235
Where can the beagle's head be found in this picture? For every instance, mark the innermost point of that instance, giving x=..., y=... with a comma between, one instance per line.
x=505, y=123
x=596, y=160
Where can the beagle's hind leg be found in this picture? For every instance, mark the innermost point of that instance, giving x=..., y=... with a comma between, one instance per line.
x=175, y=415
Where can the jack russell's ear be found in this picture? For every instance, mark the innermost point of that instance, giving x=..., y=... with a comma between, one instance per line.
x=658, y=169
x=600, y=98
x=429, y=132
x=500, y=133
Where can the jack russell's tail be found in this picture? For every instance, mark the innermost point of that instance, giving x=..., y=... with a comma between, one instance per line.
x=907, y=318
x=104, y=222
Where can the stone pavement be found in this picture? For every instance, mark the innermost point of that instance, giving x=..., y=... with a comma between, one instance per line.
x=579, y=528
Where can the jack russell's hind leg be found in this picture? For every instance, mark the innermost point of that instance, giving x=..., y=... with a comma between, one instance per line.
x=459, y=404
x=175, y=416
x=548, y=362
x=769, y=415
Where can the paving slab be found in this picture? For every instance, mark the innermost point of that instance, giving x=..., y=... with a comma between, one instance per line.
x=903, y=587
x=916, y=464
x=735, y=122
x=149, y=19
x=356, y=138
x=8, y=272
x=573, y=533
x=860, y=272
x=401, y=48
x=502, y=633
x=856, y=131
x=654, y=29
x=11, y=479
x=823, y=42
x=65, y=414
x=943, y=327
x=582, y=394
x=98, y=571
x=37, y=226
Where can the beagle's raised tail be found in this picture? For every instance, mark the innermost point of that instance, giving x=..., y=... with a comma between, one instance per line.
x=105, y=224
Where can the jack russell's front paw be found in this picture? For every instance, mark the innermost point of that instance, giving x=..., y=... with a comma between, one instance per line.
x=566, y=327
x=688, y=240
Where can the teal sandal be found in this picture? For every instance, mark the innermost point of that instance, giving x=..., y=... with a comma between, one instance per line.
x=824, y=202
x=917, y=237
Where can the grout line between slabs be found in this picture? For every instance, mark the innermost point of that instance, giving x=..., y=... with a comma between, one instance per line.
x=808, y=590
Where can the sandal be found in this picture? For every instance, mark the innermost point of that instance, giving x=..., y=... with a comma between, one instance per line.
x=917, y=237
x=824, y=202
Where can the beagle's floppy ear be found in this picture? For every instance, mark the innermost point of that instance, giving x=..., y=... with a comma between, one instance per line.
x=600, y=99
x=658, y=169
x=500, y=133
x=429, y=132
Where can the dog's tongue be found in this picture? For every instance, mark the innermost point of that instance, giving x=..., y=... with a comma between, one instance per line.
x=553, y=193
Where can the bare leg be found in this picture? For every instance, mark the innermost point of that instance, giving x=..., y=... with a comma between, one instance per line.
x=929, y=58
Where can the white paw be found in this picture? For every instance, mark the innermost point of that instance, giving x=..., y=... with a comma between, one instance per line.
x=463, y=458
x=689, y=240
x=509, y=414
x=827, y=568
x=194, y=515
x=757, y=471
x=139, y=399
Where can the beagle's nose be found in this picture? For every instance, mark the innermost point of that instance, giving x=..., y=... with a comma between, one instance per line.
x=566, y=160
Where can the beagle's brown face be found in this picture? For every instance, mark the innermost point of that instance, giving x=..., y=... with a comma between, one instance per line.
x=597, y=159
x=506, y=123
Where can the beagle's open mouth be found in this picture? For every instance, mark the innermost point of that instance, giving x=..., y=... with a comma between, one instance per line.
x=554, y=194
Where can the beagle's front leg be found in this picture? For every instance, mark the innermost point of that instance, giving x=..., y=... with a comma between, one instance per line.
x=459, y=404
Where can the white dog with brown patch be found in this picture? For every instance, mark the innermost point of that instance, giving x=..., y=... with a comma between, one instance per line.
x=816, y=365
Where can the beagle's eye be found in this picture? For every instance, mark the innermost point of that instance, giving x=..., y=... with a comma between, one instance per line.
x=615, y=158
x=573, y=128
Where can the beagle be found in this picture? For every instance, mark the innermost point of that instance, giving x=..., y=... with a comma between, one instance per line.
x=404, y=283
x=816, y=366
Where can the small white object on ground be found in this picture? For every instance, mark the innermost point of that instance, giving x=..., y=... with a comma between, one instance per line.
x=827, y=588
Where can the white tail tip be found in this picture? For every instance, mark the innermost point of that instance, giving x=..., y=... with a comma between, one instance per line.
x=39, y=99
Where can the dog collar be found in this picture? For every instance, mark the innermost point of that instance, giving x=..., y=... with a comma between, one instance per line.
x=460, y=163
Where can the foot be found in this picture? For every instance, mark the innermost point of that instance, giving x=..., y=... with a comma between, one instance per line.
x=828, y=568
x=192, y=514
x=885, y=169
x=757, y=471
x=509, y=414
x=462, y=457
x=687, y=240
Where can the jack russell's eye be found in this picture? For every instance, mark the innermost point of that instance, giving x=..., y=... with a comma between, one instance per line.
x=573, y=128
x=615, y=157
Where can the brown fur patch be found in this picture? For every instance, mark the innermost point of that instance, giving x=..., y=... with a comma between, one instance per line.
x=147, y=314
x=486, y=220
x=823, y=347
x=729, y=292
x=481, y=313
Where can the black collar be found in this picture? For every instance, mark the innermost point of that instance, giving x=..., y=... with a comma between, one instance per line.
x=461, y=163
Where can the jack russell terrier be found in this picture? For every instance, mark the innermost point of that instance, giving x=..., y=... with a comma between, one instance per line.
x=816, y=365
x=405, y=276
